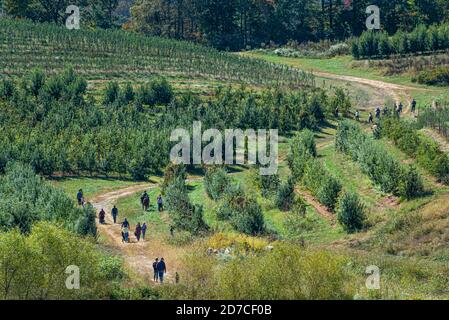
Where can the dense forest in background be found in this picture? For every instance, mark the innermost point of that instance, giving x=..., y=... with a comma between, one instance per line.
x=94, y=13
x=239, y=24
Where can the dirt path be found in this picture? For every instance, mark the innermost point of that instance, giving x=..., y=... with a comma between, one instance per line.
x=322, y=210
x=135, y=255
x=138, y=256
x=395, y=91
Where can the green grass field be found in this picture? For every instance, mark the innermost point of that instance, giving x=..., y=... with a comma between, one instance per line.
x=342, y=65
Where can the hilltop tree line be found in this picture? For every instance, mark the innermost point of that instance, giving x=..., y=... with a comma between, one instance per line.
x=421, y=39
x=98, y=13
x=237, y=24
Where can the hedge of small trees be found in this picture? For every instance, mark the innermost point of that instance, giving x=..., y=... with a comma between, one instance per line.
x=310, y=172
x=424, y=150
x=376, y=162
x=422, y=39
x=26, y=198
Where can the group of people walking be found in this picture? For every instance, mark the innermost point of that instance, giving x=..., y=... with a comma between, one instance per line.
x=397, y=109
x=159, y=266
x=145, y=202
x=139, y=232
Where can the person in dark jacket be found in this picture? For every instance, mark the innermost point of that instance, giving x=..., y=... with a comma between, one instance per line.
x=125, y=224
x=155, y=275
x=138, y=231
x=160, y=203
x=144, y=230
x=101, y=216
x=161, y=270
x=413, y=105
x=114, y=214
x=80, y=197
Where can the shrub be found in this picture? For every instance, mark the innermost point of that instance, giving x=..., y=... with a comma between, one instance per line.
x=244, y=213
x=286, y=195
x=111, y=93
x=172, y=173
x=162, y=91
x=40, y=259
x=216, y=182
x=127, y=95
x=436, y=77
x=54, y=87
x=411, y=184
x=297, y=222
x=350, y=212
x=7, y=88
x=313, y=274
x=306, y=169
x=328, y=191
x=37, y=80
x=340, y=101
x=111, y=268
x=302, y=148
x=86, y=224
x=184, y=214
x=268, y=184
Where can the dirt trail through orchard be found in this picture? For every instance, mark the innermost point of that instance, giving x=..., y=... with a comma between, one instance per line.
x=395, y=91
x=138, y=256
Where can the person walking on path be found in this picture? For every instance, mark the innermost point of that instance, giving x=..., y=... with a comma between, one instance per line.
x=114, y=214
x=145, y=201
x=144, y=230
x=125, y=231
x=413, y=105
x=101, y=216
x=123, y=235
x=138, y=231
x=155, y=275
x=80, y=197
x=161, y=269
x=125, y=223
x=160, y=203
x=370, y=118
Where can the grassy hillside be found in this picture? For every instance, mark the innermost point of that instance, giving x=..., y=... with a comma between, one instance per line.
x=114, y=144
x=99, y=54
